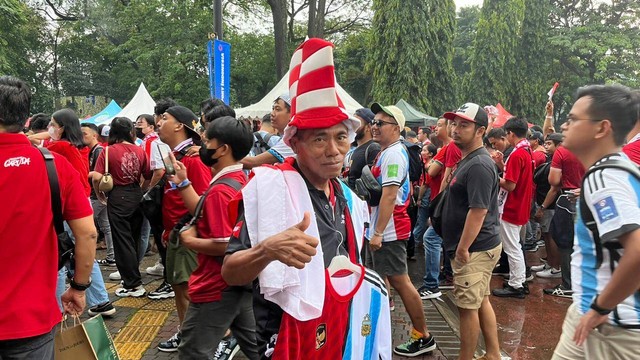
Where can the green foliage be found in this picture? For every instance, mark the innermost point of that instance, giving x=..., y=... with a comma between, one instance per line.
x=493, y=76
x=350, y=62
x=252, y=64
x=441, y=88
x=400, y=46
x=466, y=25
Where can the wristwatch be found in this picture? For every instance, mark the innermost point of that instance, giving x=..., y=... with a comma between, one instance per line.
x=542, y=207
x=80, y=287
x=594, y=306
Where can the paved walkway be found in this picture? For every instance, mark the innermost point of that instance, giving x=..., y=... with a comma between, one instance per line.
x=529, y=328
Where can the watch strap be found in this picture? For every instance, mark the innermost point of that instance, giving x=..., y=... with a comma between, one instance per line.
x=80, y=287
x=602, y=311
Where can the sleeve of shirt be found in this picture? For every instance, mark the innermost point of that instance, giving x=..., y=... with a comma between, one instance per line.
x=155, y=159
x=99, y=166
x=239, y=239
x=393, y=167
x=199, y=175
x=75, y=204
x=441, y=155
x=281, y=151
x=481, y=182
x=273, y=140
x=145, y=169
x=607, y=196
x=556, y=160
x=453, y=156
x=514, y=167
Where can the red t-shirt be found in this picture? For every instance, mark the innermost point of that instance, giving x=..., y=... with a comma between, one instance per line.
x=173, y=208
x=27, y=236
x=206, y=283
x=519, y=170
x=436, y=181
x=539, y=158
x=127, y=164
x=633, y=151
x=572, y=169
x=79, y=159
x=452, y=156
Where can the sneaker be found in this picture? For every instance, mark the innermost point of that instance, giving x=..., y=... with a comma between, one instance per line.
x=170, y=345
x=227, y=348
x=550, y=273
x=156, y=270
x=540, y=243
x=106, y=262
x=528, y=277
x=559, y=291
x=426, y=293
x=115, y=276
x=447, y=284
x=416, y=345
x=541, y=267
x=531, y=247
x=105, y=309
x=135, y=292
x=509, y=291
x=164, y=291
x=392, y=305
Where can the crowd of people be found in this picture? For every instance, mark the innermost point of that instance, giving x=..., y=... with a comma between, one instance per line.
x=299, y=257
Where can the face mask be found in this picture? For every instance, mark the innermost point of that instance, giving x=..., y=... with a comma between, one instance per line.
x=53, y=133
x=206, y=155
x=139, y=133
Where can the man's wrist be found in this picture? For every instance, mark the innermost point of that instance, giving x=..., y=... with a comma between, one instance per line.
x=78, y=285
x=600, y=310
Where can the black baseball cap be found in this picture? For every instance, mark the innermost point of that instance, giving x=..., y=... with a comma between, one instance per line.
x=186, y=117
x=470, y=112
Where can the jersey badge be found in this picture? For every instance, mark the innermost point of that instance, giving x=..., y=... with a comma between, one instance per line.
x=365, y=330
x=321, y=336
x=606, y=209
x=392, y=171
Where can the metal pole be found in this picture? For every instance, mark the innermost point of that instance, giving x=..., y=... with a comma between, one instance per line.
x=217, y=17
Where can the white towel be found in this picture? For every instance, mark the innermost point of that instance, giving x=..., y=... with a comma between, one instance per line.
x=274, y=200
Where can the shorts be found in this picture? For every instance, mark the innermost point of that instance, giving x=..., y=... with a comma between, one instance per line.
x=545, y=222
x=181, y=262
x=471, y=281
x=391, y=259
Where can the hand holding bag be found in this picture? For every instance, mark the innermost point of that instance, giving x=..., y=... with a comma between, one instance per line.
x=106, y=181
x=89, y=340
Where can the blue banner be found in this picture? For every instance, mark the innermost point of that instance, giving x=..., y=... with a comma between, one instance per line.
x=220, y=62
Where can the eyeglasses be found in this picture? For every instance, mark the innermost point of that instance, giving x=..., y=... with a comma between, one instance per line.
x=380, y=123
x=572, y=120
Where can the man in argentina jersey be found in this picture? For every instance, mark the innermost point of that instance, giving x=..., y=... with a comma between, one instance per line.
x=390, y=225
x=355, y=323
x=604, y=320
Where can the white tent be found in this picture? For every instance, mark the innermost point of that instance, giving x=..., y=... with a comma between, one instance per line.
x=263, y=106
x=141, y=103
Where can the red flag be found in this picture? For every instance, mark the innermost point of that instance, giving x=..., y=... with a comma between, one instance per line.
x=503, y=116
x=553, y=90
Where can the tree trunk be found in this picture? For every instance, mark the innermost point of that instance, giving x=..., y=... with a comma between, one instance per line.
x=279, y=12
x=315, y=27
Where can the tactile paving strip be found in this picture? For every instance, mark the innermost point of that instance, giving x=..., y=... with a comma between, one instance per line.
x=165, y=305
x=132, y=302
x=134, y=339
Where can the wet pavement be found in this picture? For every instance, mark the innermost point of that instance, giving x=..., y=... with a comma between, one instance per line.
x=528, y=329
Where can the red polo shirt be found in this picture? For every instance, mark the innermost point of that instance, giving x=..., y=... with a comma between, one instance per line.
x=27, y=236
x=173, y=208
x=572, y=169
x=519, y=170
x=79, y=159
x=206, y=283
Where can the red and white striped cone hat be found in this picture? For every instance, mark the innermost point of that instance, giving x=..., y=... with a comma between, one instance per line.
x=315, y=103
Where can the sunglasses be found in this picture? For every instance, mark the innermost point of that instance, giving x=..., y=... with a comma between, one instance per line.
x=380, y=123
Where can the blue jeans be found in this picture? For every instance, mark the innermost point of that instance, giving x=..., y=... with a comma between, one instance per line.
x=101, y=219
x=96, y=293
x=423, y=218
x=144, y=238
x=432, y=250
x=39, y=347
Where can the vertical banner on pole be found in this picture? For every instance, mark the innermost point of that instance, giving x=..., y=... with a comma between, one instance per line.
x=222, y=69
x=212, y=81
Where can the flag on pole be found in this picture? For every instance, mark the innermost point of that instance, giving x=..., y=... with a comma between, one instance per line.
x=553, y=90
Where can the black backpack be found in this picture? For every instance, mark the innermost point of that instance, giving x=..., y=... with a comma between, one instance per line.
x=261, y=144
x=415, y=160
x=541, y=179
x=590, y=223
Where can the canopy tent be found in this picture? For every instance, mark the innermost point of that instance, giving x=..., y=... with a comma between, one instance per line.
x=413, y=117
x=263, y=106
x=141, y=103
x=107, y=113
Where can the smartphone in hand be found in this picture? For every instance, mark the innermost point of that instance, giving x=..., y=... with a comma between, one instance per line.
x=166, y=160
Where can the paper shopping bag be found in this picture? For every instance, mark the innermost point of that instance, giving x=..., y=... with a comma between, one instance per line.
x=89, y=340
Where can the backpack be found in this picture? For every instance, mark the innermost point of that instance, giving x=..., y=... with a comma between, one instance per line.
x=541, y=179
x=261, y=144
x=590, y=223
x=415, y=160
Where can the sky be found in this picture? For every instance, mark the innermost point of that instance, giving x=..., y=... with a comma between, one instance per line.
x=461, y=3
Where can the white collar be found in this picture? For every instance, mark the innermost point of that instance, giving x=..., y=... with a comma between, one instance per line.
x=225, y=171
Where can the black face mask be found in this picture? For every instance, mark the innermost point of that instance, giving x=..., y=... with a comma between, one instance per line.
x=139, y=133
x=206, y=155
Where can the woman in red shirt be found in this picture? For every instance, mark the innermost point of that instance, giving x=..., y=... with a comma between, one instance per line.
x=127, y=165
x=66, y=135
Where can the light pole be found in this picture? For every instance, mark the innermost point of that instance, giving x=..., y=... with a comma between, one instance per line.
x=217, y=18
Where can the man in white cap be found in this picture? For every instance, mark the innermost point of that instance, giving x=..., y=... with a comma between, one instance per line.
x=390, y=225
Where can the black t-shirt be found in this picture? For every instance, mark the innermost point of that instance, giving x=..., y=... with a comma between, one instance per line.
x=358, y=160
x=332, y=229
x=474, y=184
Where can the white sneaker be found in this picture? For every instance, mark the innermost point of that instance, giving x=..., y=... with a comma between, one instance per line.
x=135, y=292
x=541, y=267
x=115, y=276
x=550, y=273
x=156, y=270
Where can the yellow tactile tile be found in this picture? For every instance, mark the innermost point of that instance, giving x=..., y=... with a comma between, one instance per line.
x=131, y=334
x=165, y=305
x=131, y=351
x=132, y=302
x=136, y=337
x=148, y=318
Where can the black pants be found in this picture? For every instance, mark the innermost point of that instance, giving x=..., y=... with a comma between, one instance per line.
x=39, y=347
x=125, y=217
